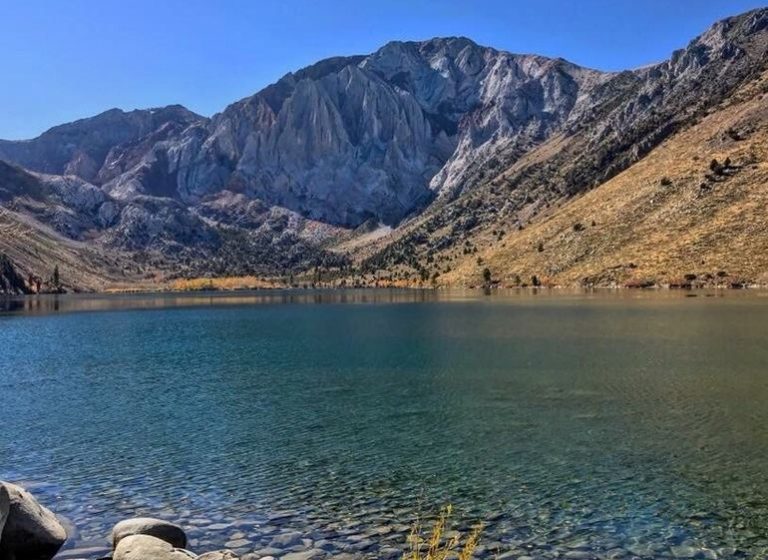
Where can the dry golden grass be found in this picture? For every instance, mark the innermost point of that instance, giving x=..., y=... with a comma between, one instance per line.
x=636, y=228
x=437, y=545
x=228, y=283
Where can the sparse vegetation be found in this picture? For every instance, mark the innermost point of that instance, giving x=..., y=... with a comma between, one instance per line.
x=437, y=545
x=224, y=284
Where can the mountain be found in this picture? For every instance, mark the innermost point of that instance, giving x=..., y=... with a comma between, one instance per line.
x=344, y=141
x=83, y=147
x=630, y=114
x=418, y=161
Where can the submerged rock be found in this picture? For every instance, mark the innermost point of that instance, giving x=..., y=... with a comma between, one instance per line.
x=82, y=552
x=145, y=547
x=163, y=530
x=31, y=531
x=219, y=555
x=305, y=555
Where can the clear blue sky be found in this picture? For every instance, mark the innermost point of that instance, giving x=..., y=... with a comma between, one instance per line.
x=66, y=59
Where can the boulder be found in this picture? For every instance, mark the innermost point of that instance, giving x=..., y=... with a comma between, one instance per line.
x=31, y=531
x=146, y=547
x=163, y=530
x=5, y=506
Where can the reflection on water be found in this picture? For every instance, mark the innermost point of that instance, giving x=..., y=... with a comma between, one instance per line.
x=619, y=425
x=101, y=302
x=30, y=305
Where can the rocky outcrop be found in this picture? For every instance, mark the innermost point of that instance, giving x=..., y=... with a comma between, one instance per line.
x=11, y=282
x=163, y=530
x=31, y=531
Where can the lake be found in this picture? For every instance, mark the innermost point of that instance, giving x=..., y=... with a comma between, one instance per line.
x=607, y=425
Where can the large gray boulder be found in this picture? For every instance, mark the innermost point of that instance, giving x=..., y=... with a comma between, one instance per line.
x=163, y=530
x=5, y=506
x=145, y=547
x=31, y=531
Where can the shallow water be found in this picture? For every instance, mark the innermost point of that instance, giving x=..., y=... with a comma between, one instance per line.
x=577, y=426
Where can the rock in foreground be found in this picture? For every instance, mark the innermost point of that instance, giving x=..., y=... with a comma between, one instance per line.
x=5, y=505
x=31, y=531
x=157, y=528
x=145, y=547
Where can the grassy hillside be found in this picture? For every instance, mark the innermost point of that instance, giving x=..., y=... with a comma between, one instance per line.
x=673, y=218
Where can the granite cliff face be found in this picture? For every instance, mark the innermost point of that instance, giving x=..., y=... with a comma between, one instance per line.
x=367, y=138
x=440, y=140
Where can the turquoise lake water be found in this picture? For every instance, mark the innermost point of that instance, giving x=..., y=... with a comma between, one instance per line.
x=573, y=426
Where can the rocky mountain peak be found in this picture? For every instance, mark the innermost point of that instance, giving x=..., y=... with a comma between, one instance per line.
x=80, y=147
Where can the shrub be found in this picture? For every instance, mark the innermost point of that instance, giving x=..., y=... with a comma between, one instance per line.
x=665, y=181
x=438, y=546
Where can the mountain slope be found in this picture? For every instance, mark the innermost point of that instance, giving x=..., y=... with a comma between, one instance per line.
x=631, y=114
x=35, y=249
x=668, y=219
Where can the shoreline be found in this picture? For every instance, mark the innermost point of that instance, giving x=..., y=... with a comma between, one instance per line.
x=479, y=290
